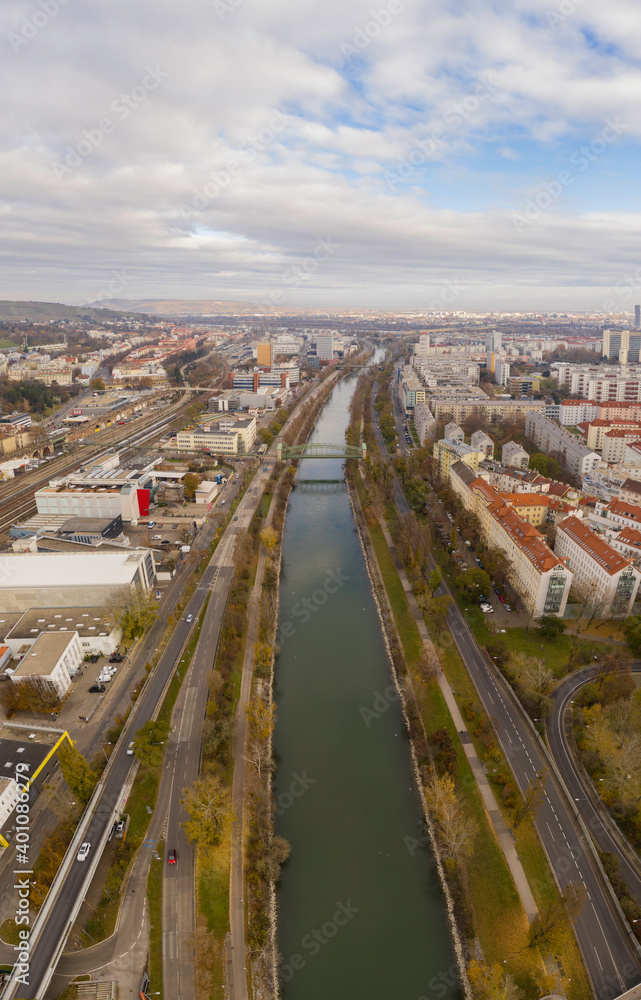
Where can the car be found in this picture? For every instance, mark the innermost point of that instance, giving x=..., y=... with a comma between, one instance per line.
x=477, y=561
x=83, y=852
x=502, y=598
x=506, y=607
x=157, y=595
x=172, y=857
x=155, y=538
x=496, y=590
x=189, y=618
x=120, y=829
x=235, y=518
x=151, y=524
x=487, y=609
x=97, y=688
x=94, y=658
x=130, y=749
x=165, y=541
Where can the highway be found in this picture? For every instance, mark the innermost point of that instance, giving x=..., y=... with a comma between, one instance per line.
x=611, y=957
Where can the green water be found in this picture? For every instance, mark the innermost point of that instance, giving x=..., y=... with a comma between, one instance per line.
x=361, y=911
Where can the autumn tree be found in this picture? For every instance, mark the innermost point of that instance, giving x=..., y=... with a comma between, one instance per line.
x=532, y=799
x=190, y=483
x=561, y=910
x=269, y=538
x=80, y=778
x=149, y=742
x=456, y=830
x=261, y=719
x=490, y=982
x=138, y=614
x=207, y=805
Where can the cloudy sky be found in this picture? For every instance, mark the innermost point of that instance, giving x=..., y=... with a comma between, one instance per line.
x=411, y=154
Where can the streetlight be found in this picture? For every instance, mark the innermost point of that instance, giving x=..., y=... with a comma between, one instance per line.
x=103, y=745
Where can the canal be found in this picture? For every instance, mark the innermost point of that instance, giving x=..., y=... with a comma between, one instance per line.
x=361, y=911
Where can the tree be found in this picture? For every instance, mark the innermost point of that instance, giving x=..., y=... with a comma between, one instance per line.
x=190, y=483
x=79, y=776
x=150, y=741
x=97, y=385
x=631, y=629
x=269, y=538
x=556, y=913
x=489, y=982
x=531, y=800
x=208, y=807
x=261, y=718
x=551, y=627
x=138, y=614
x=456, y=830
x=474, y=582
x=435, y=579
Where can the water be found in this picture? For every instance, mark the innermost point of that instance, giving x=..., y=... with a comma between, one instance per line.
x=361, y=911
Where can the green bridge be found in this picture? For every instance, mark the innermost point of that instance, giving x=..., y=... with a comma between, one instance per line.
x=318, y=450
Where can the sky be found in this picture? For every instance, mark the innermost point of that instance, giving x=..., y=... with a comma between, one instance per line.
x=406, y=154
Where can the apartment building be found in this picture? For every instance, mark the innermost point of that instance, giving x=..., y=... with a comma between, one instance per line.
x=454, y=433
x=577, y=411
x=424, y=423
x=556, y=441
x=513, y=454
x=483, y=442
x=603, y=575
x=493, y=411
x=615, y=444
x=532, y=507
x=540, y=577
x=630, y=491
x=446, y=453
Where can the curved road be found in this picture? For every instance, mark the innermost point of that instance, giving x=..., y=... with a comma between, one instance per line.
x=602, y=827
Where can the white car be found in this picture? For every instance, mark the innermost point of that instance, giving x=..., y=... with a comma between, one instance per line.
x=130, y=749
x=189, y=618
x=83, y=852
x=487, y=609
x=156, y=537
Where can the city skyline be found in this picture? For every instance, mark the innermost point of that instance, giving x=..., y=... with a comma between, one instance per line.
x=401, y=156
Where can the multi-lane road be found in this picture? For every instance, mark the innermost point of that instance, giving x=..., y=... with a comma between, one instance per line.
x=611, y=954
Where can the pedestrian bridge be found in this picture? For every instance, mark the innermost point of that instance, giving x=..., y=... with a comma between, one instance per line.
x=317, y=450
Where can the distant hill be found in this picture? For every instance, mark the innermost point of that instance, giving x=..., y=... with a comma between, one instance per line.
x=188, y=307
x=42, y=312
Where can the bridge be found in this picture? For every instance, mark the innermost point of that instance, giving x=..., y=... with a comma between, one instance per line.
x=317, y=450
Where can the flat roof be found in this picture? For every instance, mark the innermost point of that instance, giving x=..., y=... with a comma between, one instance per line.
x=22, y=751
x=8, y=620
x=84, y=621
x=68, y=569
x=45, y=653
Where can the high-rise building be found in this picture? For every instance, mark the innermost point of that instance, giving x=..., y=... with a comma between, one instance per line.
x=495, y=341
x=637, y=317
x=325, y=347
x=622, y=346
x=265, y=354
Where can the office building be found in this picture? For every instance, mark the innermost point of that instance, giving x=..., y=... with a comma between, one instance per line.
x=265, y=354
x=50, y=663
x=325, y=347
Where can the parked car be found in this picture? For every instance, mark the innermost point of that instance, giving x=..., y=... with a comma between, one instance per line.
x=120, y=829
x=151, y=524
x=175, y=525
x=506, y=607
x=496, y=590
x=502, y=598
x=487, y=609
x=156, y=538
x=97, y=688
x=83, y=852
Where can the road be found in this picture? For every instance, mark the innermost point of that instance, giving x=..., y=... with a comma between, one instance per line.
x=610, y=957
x=592, y=812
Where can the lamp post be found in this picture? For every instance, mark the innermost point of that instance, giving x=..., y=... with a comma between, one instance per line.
x=103, y=745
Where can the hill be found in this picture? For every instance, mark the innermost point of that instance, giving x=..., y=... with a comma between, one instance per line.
x=42, y=312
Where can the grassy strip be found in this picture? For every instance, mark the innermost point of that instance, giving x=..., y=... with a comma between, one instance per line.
x=154, y=901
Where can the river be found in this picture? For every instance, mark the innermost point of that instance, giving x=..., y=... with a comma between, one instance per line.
x=361, y=910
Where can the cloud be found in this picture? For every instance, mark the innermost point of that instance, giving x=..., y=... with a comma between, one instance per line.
x=148, y=192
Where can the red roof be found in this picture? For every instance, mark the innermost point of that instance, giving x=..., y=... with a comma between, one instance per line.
x=603, y=554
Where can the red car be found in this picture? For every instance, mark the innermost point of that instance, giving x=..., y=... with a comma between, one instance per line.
x=172, y=857
x=502, y=599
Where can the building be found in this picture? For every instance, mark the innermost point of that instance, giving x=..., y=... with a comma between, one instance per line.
x=523, y=385
x=502, y=373
x=601, y=574
x=615, y=442
x=325, y=347
x=265, y=354
x=211, y=440
x=492, y=411
x=541, y=579
x=454, y=433
x=482, y=442
x=97, y=629
x=637, y=317
x=513, y=454
x=532, y=507
x=206, y=492
x=424, y=423
x=446, y=453
x=15, y=421
x=560, y=444
x=127, y=502
x=50, y=663
x=630, y=491
x=73, y=579
x=622, y=346
x=577, y=411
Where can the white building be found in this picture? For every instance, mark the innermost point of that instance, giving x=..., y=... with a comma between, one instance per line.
x=601, y=574
x=73, y=579
x=502, y=372
x=325, y=347
x=206, y=492
x=97, y=630
x=100, y=502
x=50, y=664
x=454, y=433
x=483, y=442
x=560, y=444
x=424, y=423
x=513, y=454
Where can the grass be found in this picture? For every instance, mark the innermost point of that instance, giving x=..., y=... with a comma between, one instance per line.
x=9, y=931
x=212, y=879
x=154, y=901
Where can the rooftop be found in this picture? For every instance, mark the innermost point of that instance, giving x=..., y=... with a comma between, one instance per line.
x=68, y=569
x=597, y=548
x=526, y=537
x=85, y=621
x=624, y=509
x=45, y=653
